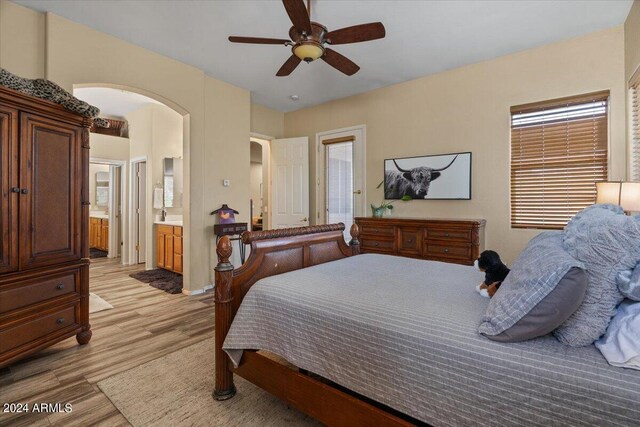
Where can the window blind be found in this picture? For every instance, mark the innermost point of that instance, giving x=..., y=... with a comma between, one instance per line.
x=559, y=150
x=634, y=86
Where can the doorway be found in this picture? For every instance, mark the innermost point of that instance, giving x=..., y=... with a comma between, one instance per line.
x=139, y=203
x=340, y=195
x=106, y=179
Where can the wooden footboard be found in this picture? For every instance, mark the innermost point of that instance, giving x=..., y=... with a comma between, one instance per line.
x=274, y=252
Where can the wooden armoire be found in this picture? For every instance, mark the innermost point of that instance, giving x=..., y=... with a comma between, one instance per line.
x=44, y=220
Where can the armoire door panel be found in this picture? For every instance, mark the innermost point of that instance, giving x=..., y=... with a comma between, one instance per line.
x=50, y=203
x=8, y=187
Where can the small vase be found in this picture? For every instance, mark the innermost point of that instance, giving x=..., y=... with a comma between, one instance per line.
x=387, y=212
x=377, y=212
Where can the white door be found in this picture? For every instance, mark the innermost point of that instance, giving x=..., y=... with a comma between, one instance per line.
x=290, y=182
x=141, y=211
x=340, y=166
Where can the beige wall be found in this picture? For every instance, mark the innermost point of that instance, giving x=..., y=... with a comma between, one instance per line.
x=22, y=40
x=155, y=132
x=267, y=122
x=632, y=40
x=75, y=55
x=467, y=109
x=109, y=147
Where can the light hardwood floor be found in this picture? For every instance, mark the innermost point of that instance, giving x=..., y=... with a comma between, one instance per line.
x=144, y=324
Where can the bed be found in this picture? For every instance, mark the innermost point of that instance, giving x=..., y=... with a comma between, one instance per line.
x=384, y=340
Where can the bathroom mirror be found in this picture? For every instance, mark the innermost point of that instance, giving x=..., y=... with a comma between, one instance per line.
x=172, y=182
x=102, y=189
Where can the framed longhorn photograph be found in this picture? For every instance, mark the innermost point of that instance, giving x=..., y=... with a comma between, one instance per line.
x=437, y=177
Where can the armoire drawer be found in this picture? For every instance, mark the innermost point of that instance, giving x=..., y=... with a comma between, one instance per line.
x=32, y=291
x=30, y=330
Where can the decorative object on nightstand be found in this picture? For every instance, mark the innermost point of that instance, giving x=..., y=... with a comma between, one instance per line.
x=228, y=227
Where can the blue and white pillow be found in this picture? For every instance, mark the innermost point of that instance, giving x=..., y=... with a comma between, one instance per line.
x=608, y=242
x=621, y=344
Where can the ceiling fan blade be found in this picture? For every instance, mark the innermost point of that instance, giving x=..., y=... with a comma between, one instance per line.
x=258, y=40
x=288, y=66
x=357, y=33
x=298, y=14
x=340, y=62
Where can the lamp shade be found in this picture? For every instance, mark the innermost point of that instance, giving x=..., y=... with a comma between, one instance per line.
x=608, y=192
x=308, y=51
x=630, y=196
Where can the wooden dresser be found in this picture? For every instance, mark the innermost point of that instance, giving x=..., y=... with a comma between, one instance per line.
x=169, y=245
x=449, y=240
x=44, y=221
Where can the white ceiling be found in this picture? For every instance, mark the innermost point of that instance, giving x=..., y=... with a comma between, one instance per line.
x=423, y=37
x=113, y=103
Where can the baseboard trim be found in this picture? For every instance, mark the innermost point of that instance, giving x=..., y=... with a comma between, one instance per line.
x=197, y=291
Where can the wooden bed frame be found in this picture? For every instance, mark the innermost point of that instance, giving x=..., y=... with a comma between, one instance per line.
x=274, y=252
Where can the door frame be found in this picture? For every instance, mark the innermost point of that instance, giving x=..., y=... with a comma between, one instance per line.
x=132, y=217
x=265, y=142
x=321, y=217
x=123, y=206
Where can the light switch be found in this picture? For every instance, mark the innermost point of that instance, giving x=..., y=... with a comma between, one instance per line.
x=226, y=183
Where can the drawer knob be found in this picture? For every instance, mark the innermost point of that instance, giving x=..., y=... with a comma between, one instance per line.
x=60, y=320
x=60, y=286
x=446, y=234
x=377, y=244
x=410, y=240
x=446, y=249
x=15, y=190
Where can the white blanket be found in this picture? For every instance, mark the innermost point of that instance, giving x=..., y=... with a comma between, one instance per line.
x=621, y=344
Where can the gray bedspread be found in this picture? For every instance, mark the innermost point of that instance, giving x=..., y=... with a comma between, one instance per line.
x=404, y=333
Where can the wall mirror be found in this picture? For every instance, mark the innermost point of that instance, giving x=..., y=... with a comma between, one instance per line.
x=172, y=172
x=102, y=189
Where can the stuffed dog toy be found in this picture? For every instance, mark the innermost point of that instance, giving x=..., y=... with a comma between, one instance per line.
x=495, y=272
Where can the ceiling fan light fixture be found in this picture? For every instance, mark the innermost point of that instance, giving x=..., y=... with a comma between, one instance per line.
x=308, y=51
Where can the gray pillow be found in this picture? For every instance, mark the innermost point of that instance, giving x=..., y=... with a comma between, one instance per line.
x=526, y=305
x=552, y=311
x=608, y=242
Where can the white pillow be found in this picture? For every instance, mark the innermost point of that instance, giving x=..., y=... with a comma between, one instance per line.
x=621, y=344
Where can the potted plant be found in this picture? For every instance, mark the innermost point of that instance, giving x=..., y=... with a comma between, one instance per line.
x=386, y=206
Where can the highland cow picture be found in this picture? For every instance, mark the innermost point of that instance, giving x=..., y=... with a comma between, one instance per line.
x=438, y=177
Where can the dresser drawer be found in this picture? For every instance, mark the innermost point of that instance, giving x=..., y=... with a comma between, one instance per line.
x=377, y=230
x=409, y=240
x=446, y=250
x=449, y=235
x=30, y=330
x=376, y=244
x=32, y=291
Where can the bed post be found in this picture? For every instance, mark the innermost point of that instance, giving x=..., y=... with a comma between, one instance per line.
x=224, y=388
x=355, y=242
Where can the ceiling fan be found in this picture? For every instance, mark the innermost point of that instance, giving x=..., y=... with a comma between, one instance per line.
x=308, y=39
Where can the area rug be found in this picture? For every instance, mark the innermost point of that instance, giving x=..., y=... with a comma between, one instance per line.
x=97, y=253
x=161, y=279
x=175, y=390
x=97, y=304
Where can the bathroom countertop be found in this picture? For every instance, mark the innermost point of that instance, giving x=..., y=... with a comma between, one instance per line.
x=169, y=222
x=101, y=216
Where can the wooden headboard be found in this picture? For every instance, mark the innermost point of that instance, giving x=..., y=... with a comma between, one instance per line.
x=272, y=252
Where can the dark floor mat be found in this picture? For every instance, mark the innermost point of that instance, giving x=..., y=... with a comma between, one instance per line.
x=97, y=253
x=161, y=279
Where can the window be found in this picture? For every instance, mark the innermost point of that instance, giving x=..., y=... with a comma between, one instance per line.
x=634, y=86
x=559, y=151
